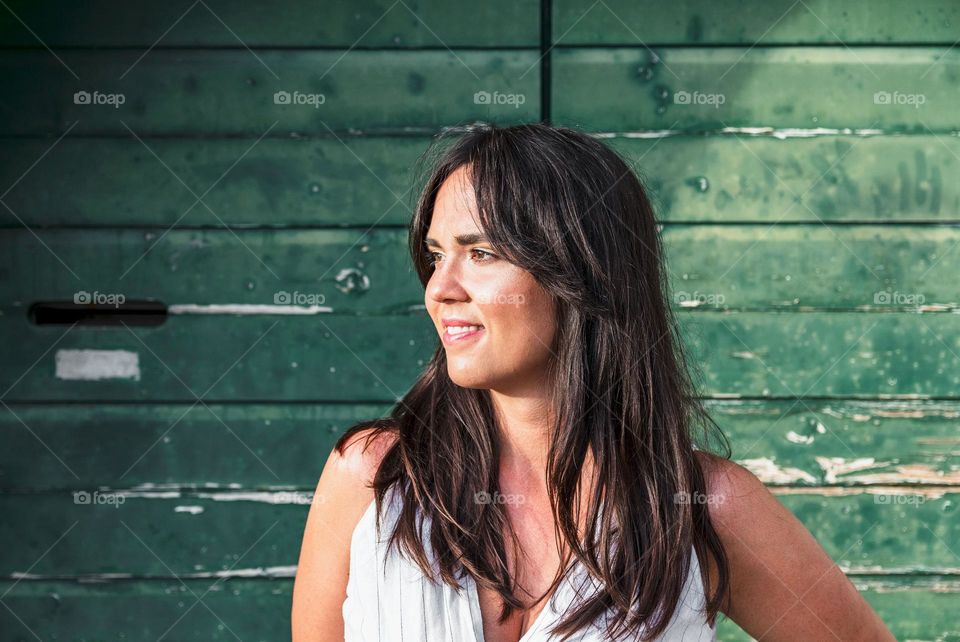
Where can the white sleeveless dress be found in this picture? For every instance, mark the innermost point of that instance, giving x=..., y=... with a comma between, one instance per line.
x=398, y=603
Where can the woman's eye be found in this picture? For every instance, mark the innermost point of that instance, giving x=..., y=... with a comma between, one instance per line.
x=479, y=256
x=485, y=256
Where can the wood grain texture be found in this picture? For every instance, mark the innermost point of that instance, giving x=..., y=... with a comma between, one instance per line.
x=293, y=23
x=203, y=92
x=772, y=176
x=728, y=22
x=624, y=89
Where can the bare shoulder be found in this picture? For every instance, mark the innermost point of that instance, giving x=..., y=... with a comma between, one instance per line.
x=733, y=492
x=783, y=584
x=342, y=495
x=361, y=457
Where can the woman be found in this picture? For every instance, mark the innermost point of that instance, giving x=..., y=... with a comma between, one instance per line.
x=539, y=481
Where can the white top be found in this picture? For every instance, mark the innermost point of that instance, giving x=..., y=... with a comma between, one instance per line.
x=400, y=603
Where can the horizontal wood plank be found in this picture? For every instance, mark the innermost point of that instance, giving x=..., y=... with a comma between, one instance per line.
x=914, y=608
x=206, y=92
x=376, y=358
x=144, y=533
x=219, y=446
x=773, y=177
x=294, y=23
x=729, y=22
x=782, y=176
x=351, y=271
x=255, y=358
x=704, y=89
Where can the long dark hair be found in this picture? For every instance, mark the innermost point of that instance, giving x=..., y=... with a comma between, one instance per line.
x=569, y=210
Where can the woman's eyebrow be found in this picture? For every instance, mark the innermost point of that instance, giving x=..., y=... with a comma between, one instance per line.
x=461, y=239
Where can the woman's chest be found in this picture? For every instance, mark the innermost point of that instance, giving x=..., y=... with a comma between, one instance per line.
x=533, y=567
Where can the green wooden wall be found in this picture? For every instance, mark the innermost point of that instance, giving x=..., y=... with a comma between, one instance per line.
x=154, y=480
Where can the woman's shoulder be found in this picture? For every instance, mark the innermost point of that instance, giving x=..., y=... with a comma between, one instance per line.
x=340, y=500
x=357, y=456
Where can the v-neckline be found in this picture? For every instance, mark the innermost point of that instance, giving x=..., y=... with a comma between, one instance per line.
x=477, y=615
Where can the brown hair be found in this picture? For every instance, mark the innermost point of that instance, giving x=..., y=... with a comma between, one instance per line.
x=569, y=210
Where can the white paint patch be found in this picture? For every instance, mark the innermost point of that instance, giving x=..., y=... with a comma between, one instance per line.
x=798, y=438
x=782, y=134
x=243, y=309
x=193, y=510
x=96, y=365
x=261, y=571
x=928, y=492
x=834, y=467
x=267, y=497
x=770, y=473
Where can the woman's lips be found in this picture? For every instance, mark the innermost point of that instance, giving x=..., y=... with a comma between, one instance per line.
x=461, y=336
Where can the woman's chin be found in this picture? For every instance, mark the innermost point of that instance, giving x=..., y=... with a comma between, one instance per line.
x=468, y=378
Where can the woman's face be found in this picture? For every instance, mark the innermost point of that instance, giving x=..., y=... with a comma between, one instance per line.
x=513, y=316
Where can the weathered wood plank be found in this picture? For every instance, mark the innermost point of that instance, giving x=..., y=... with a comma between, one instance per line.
x=148, y=610
x=176, y=446
x=294, y=23
x=814, y=266
x=715, y=267
x=914, y=608
x=826, y=354
x=728, y=22
x=144, y=533
x=230, y=92
x=779, y=177
x=344, y=358
x=254, y=358
x=366, y=181
x=843, y=442
x=920, y=609
x=706, y=89
x=342, y=271
x=805, y=443
x=350, y=181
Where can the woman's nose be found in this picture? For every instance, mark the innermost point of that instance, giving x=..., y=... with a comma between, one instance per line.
x=445, y=283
